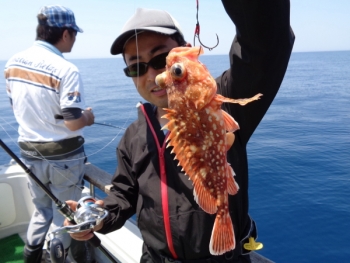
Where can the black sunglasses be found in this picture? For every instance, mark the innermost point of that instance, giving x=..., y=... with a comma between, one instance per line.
x=140, y=68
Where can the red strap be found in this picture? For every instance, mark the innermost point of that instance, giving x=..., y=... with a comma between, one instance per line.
x=163, y=186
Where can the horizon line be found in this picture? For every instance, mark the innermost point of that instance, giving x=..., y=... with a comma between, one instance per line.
x=120, y=57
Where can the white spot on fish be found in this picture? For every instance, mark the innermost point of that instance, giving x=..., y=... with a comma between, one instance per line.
x=203, y=173
x=193, y=148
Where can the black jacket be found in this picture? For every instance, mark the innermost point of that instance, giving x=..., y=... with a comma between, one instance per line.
x=258, y=61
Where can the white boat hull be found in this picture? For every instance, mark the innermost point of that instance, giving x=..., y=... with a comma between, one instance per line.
x=16, y=209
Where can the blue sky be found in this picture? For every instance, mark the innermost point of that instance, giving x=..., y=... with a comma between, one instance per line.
x=319, y=25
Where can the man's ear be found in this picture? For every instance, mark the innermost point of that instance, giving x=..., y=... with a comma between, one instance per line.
x=65, y=35
x=188, y=45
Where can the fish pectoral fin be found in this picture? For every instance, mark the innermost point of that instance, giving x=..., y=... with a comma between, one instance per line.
x=230, y=139
x=230, y=123
x=241, y=102
x=204, y=198
x=232, y=186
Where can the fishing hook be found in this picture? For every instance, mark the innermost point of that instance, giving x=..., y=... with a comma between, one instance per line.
x=197, y=32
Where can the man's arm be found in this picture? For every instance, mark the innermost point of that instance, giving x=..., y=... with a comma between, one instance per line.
x=259, y=57
x=72, y=101
x=86, y=118
x=120, y=202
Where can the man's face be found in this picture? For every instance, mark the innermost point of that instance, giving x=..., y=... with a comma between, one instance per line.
x=142, y=49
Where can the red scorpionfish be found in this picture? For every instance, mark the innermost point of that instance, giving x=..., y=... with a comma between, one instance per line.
x=198, y=127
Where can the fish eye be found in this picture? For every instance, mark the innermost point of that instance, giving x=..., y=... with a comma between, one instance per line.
x=177, y=71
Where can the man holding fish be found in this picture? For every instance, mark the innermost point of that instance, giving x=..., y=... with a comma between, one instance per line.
x=186, y=220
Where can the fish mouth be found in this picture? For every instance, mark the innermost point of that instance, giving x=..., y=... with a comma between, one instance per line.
x=160, y=81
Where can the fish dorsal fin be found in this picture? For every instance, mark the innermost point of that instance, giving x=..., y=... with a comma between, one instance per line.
x=191, y=53
x=230, y=123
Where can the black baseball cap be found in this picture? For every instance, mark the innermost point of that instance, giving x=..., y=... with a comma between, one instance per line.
x=145, y=20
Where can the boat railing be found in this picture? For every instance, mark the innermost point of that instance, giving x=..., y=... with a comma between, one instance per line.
x=97, y=177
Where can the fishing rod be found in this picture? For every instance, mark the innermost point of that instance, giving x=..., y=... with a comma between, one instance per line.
x=60, y=117
x=87, y=216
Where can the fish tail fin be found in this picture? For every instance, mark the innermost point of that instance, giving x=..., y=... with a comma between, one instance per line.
x=222, y=237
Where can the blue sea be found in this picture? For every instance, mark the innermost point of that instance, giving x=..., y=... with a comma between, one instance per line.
x=299, y=157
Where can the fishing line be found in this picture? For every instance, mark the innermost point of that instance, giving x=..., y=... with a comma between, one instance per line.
x=41, y=157
x=197, y=33
x=60, y=117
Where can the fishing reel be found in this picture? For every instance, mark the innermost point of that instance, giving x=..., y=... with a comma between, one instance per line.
x=87, y=216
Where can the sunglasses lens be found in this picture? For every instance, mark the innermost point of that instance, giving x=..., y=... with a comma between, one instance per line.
x=135, y=70
x=158, y=62
x=139, y=69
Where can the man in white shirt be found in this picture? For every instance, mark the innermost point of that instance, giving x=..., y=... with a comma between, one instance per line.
x=47, y=96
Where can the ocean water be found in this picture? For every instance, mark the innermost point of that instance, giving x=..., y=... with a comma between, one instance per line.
x=299, y=156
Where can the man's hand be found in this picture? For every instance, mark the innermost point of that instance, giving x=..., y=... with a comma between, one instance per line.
x=87, y=234
x=89, y=116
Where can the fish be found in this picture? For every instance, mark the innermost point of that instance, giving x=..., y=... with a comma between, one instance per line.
x=198, y=134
